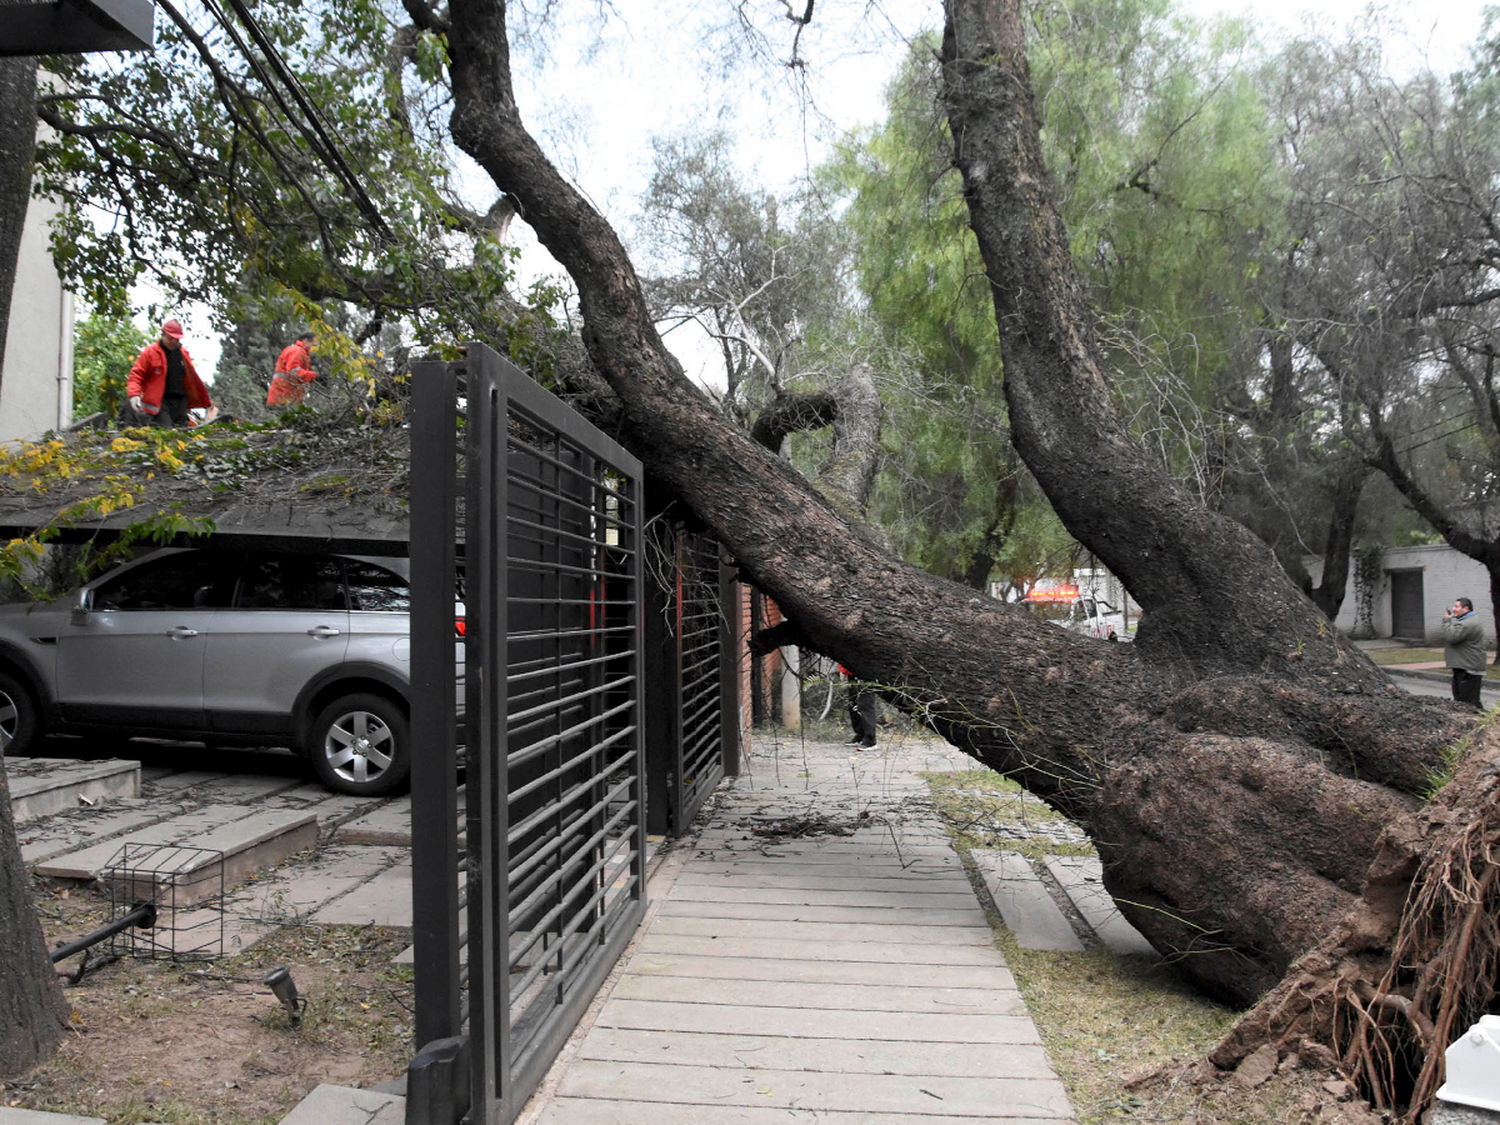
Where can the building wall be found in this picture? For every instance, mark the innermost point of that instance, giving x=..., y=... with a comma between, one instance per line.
x=36, y=386
x=1446, y=575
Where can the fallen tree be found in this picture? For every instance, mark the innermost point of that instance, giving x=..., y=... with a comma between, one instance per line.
x=1240, y=767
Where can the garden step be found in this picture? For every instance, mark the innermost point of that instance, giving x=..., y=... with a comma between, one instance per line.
x=187, y=848
x=43, y=786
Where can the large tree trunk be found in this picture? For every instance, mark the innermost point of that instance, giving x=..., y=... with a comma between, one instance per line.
x=1338, y=546
x=31, y=1001
x=1236, y=766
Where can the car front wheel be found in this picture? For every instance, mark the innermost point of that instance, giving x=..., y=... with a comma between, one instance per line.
x=20, y=720
x=361, y=744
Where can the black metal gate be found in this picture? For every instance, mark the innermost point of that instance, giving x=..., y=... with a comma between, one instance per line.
x=692, y=721
x=553, y=856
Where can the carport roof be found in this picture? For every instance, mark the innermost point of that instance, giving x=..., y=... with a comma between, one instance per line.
x=286, y=488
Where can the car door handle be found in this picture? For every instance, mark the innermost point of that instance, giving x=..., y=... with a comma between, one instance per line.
x=323, y=631
x=180, y=632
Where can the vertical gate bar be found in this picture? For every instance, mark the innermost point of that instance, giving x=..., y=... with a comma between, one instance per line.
x=553, y=558
x=497, y=797
x=679, y=699
x=434, y=798
x=485, y=831
x=637, y=671
x=597, y=673
x=729, y=667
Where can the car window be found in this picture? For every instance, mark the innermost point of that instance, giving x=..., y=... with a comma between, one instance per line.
x=190, y=580
x=290, y=582
x=374, y=588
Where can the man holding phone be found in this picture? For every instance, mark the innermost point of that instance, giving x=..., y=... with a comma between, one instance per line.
x=1463, y=651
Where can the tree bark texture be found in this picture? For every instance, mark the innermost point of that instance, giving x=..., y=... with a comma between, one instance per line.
x=1236, y=766
x=1338, y=546
x=32, y=1009
x=31, y=1002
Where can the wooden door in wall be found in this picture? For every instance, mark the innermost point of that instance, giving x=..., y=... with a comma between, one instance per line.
x=1407, y=616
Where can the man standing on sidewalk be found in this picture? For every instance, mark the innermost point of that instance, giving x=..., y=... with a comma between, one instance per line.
x=1463, y=651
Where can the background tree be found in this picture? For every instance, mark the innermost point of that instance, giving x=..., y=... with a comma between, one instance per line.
x=1388, y=293
x=104, y=349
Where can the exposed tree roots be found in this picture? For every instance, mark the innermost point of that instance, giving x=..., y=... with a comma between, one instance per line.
x=1415, y=962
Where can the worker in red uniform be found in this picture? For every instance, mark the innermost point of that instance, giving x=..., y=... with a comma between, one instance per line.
x=293, y=373
x=163, y=385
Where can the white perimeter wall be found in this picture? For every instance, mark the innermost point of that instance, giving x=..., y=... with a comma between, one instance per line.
x=1446, y=575
x=36, y=387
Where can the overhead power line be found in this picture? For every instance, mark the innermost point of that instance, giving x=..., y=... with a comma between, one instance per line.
x=310, y=124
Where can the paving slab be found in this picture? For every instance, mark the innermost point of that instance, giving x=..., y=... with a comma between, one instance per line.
x=847, y=1024
x=43, y=840
x=330, y=808
x=778, y=930
x=784, y=1052
x=887, y=997
x=388, y=823
x=12, y=1116
x=868, y=860
x=43, y=786
x=291, y=896
x=1082, y=877
x=384, y=900
x=343, y=1105
x=809, y=949
x=174, y=781
x=586, y=1111
x=229, y=789
x=822, y=880
x=785, y=968
x=248, y=839
x=1025, y=903
x=870, y=912
x=959, y=1096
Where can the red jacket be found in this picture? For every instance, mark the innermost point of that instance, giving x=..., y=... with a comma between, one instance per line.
x=148, y=378
x=294, y=363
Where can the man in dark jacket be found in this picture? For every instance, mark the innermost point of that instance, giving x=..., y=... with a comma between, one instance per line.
x=1463, y=651
x=164, y=385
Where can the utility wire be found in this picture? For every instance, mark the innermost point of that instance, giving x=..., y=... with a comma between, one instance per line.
x=317, y=134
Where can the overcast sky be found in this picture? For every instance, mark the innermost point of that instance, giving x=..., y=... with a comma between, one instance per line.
x=596, y=101
x=650, y=74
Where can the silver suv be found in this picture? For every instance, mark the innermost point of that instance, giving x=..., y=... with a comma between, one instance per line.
x=258, y=648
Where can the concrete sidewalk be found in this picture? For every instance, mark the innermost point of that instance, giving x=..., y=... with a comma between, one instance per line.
x=816, y=954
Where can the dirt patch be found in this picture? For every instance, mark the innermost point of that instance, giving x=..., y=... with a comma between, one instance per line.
x=208, y=1042
x=1293, y=1091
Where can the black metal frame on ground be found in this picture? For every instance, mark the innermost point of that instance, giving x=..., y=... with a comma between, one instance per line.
x=554, y=850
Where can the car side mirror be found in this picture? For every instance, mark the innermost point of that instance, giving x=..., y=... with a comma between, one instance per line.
x=81, y=608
